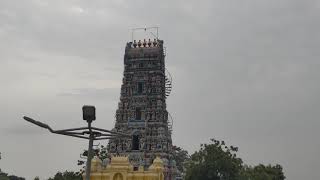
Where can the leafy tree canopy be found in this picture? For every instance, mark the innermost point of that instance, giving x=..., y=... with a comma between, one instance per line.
x=262, y=172
x=5, y=176
x=217, y=161
x=67, y=175
x=214, y=161
x=180, y=156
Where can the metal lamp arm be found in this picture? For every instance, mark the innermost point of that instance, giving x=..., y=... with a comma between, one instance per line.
x=66, y=132
x=71, y=134
x=71, y=129
x=38, y=123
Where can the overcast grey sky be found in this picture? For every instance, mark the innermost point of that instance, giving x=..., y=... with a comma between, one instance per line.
x=246, y=72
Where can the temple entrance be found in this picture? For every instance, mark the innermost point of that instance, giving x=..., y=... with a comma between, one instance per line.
x=118, y=176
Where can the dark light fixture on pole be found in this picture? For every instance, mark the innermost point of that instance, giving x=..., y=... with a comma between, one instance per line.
x=90, y=133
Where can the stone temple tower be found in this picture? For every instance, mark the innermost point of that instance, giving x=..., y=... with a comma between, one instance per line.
x=142, y=108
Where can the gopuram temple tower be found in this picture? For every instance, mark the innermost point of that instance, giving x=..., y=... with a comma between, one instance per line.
x=142, y=108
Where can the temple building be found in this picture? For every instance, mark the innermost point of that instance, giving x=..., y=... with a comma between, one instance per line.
x=142, y=108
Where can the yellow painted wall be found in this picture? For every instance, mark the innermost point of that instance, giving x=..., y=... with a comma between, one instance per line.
x=120, y=169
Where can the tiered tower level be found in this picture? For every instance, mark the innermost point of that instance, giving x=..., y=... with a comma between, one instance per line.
x=142, y=108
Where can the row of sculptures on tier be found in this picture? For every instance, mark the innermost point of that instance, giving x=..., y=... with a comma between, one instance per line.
x=145, y=43
x=133, y=90
x=145, y=116
x=146, y=85
x=129, y=91
x=140, y=65
x=125, y=146
x=142, y=77
x=151, y=103
x=158, y=132
x=150, y=56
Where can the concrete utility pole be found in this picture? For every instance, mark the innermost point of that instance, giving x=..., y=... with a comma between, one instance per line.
x=90, y=133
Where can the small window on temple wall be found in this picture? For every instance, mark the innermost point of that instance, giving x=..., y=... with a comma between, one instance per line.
x=140, y=87
x=138, y=114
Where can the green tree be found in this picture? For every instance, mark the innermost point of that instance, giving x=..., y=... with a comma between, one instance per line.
x=217, y=161
x=13, y=177
x=214, y=161
x=181, y=156
x=4, y=176
x=101, y=152
x=67, y=175
x=262, y=172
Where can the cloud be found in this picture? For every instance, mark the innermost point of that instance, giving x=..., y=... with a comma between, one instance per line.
x=21, y=130
x=97, y=94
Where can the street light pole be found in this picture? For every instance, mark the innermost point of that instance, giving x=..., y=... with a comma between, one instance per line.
x=88, y=165
x=90, y=133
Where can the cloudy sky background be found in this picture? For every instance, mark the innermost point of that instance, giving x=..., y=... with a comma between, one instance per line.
x=246, y=72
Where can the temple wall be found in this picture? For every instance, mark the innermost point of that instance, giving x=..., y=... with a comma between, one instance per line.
x=120, y=169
